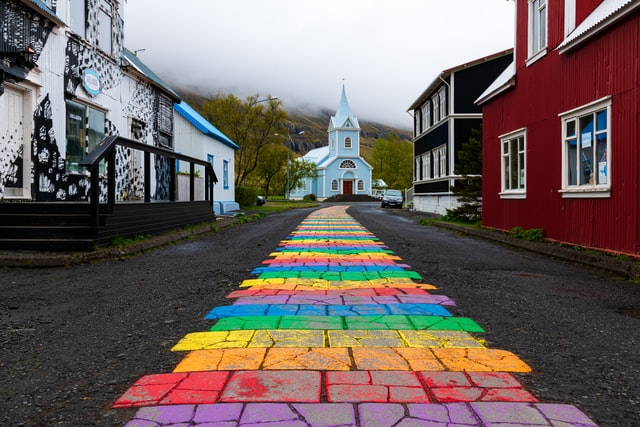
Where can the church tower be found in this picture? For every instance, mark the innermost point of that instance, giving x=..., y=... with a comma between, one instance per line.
x=339, y=168
x=344, y=131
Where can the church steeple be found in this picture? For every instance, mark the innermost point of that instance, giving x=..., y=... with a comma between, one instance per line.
x=344, y=118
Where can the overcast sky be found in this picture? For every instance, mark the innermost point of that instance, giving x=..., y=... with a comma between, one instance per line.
x=385, y=51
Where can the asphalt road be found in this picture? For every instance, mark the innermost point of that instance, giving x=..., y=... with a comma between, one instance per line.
x=73, y=339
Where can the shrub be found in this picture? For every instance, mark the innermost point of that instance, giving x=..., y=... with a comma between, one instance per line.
x=310, y=197
x=531, y=235
x=246, y=196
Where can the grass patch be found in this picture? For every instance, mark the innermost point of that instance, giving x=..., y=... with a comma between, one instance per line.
x=119, y=241
x=530, y=235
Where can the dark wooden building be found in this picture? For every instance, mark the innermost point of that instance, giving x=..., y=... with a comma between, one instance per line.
x=444, y=116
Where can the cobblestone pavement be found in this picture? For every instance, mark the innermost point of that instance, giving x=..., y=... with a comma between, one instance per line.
x=334, y=330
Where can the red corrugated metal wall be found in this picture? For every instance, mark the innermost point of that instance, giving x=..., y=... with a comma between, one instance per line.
x=605, y=66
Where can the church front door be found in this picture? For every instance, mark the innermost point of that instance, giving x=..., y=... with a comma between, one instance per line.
x=347, y=187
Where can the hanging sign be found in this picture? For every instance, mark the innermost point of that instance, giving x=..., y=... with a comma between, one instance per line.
x=91, y=82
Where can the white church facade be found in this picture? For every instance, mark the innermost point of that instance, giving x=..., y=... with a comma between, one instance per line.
x=339, y=167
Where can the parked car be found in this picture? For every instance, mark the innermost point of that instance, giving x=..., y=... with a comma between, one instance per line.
x=392, y=198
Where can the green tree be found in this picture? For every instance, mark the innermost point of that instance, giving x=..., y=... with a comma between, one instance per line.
x=298, y=170
x=392, y=161
x=468, y=189
x=251, y=123
x=271, y=166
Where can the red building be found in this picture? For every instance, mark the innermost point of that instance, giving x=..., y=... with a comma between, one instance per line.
x=560, y=130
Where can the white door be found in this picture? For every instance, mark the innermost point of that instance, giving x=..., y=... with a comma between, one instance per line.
x=15, y=147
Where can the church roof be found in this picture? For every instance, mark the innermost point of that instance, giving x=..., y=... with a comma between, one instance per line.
x=317, y=155
x=344, y=114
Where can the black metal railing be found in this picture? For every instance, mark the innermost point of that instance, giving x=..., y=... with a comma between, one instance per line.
x=106, y=150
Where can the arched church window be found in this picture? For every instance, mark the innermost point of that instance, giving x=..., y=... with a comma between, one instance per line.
x=334, y=185
x=360, y=185
x=347, y=142
x=347, y=164
x=333, y=142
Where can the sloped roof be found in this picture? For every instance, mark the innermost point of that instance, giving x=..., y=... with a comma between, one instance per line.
x=317, y=155
x=137, y=64
x=44, y=8
x=203, y=125
x=504, y=81
x=428, y=92
x=604, y=15
x=343, y=114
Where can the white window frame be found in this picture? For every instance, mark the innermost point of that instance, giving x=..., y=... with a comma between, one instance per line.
x=513, y=164
x=599, y=183
x=569, y=16
x=334, y=185
x=106, y=11
x=426, y=165
x=360, y=185
x=436, y=108
x=443, y=102
x=347, y=143
x=538, y=28
x=426, y=116
x=442, y=151
x=440, y=161
x=416, y=169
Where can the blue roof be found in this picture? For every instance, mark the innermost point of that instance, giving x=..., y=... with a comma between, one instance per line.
x=47, y=10
x=203, y=125
x=133, y=59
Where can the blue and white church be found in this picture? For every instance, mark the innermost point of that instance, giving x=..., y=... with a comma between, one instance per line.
x=339, y=167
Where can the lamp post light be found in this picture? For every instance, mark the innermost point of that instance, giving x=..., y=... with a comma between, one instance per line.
x=271, y=98
x=287, y=190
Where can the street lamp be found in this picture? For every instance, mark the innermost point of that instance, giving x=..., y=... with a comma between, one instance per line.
x=271, y=98
x=289, y=162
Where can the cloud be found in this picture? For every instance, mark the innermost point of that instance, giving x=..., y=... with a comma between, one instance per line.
x=386, y=52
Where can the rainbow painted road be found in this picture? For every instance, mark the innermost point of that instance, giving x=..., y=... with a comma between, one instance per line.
x=334, y=330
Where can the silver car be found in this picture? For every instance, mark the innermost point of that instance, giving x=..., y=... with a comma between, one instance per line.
x=392, y=198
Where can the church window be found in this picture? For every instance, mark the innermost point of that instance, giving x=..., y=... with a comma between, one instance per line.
x=360, y=185
x=347, y=142
x=333, y=142
x=334, y=185
x=347, y=164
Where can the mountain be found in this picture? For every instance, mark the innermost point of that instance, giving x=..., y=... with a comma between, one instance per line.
x=308, y=129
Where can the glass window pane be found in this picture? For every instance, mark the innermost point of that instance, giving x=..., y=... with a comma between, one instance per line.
x=77, y=18
x=601, y=120
x=601, y=153
x=75, y=135
x=571, y=128
x=572, y=154
x=507, y=175
x=104, y=31
x=95, y=131
x=521, y=170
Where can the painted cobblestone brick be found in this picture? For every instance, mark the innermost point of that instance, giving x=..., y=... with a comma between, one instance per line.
x=300, y=347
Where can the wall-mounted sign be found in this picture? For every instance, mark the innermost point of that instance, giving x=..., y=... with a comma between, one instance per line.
x=91, y=82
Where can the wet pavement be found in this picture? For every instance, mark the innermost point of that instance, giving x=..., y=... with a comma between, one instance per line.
x=334, y=330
